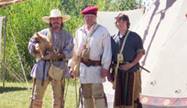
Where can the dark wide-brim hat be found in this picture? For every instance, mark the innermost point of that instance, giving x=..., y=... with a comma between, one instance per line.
x=90, y=10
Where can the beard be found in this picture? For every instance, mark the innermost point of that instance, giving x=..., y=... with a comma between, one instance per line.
x=56, y=26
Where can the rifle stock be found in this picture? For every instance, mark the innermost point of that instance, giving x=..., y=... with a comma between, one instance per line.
x=33, y=87
x=115, y=74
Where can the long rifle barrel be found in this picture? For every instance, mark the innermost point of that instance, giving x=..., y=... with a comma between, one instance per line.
x=144, y=69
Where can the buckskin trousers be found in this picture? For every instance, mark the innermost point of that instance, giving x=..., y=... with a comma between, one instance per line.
x=39, y=90
x=94, y=96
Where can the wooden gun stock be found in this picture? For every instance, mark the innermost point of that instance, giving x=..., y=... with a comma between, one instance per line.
x=115, y=74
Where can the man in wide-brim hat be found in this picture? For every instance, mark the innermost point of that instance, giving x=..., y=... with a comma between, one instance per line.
x=54, y=58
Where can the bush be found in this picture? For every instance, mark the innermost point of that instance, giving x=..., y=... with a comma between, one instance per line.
x=23, y=20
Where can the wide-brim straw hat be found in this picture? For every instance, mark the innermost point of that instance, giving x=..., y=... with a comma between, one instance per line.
x=56, y=13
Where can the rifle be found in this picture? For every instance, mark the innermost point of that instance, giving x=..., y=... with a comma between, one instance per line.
x=120, y=59
x=144, y=69
x=33, y=87
x=115, y=74
x=148, y=71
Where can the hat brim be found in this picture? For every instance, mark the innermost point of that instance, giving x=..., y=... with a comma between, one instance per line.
x=64, y=18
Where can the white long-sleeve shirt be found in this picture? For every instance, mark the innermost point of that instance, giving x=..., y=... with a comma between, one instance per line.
x=100, y=50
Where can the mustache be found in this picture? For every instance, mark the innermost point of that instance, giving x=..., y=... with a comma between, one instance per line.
x=56, y=23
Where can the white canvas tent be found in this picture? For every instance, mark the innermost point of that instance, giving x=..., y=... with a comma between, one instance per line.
x=108, y=19
x=164, y=32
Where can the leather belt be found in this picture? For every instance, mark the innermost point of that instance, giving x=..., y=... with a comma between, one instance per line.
x=53, y=60
x=91, y=62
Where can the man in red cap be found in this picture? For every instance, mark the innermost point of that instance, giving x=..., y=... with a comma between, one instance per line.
x=92, y=44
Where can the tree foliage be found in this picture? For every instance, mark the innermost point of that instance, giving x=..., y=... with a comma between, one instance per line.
x=120, y=5
x=25, y=18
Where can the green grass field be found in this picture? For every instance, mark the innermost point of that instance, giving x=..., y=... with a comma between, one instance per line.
x=17, y=95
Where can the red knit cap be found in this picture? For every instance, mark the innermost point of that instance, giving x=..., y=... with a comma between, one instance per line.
x=89, y=10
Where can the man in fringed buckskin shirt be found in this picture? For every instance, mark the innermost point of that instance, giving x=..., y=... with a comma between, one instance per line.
x=51, y=67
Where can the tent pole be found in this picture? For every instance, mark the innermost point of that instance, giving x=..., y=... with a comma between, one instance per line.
x=140, y=3
x=4, y=54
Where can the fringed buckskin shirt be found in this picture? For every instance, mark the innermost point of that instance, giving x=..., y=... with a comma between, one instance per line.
x=61, y=41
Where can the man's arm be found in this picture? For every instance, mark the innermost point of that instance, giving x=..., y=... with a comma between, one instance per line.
x=32, y=47
x=68, y=49
x=106, y=56
x=127, y=66
x=139, y=55
x=65, y=53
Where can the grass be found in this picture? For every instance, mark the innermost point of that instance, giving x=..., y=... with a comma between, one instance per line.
x=17, y=95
